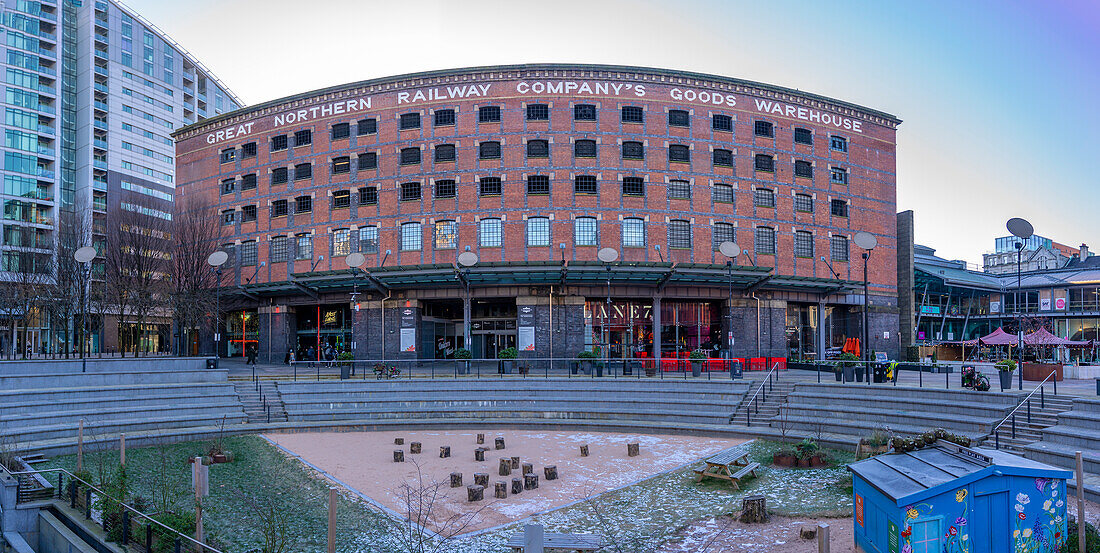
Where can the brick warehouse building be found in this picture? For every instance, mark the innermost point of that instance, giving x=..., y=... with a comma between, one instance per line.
x=534, y=168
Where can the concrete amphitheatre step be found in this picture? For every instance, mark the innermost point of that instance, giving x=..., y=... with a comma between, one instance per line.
x=886, y=391
x=558, y=411
x=132, y=397
x=899, y=403
x=111, y=410
x=114, y=427
x=117, y=378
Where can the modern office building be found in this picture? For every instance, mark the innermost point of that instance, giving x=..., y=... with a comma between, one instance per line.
x=92, y=94
x=534, y=169
x=1036, y=253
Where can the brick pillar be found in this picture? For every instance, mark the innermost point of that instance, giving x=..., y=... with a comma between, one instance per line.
x=276, y=333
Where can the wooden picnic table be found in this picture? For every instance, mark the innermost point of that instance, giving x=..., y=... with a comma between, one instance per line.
x=568, y=542
x=731, y=465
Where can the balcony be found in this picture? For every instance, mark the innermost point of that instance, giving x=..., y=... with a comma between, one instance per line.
x=101, y=53
x=48, y=89
x=45, y=129
x=48, y=35
x=188, y=75
x=44, y=173
x=45, y=151
x=99, y=204
x=47, y=70
x=99, y=124
x=99, y=184
x=99, y=143
x=47, y=53
x=101, y=71
x=99, y=164
x=46, y=109
x=100, y=105
x=101, y=88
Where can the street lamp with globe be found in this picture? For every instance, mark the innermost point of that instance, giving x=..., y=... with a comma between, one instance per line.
x=216, y=260
x=84, y=256
x=867, y=242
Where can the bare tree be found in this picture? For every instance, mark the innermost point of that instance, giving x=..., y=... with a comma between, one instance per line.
x=69, y=276
x=622, y=543
x=137, y=268
x=27, y=292
x=421, y=528
x=195, y=235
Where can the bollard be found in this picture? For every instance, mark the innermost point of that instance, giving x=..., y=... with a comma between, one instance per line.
x=533, y=538
x=125, y=526
x=179, y=545
x=148, y=537
x=822, y=538
x=332, y=498
x=88, y=504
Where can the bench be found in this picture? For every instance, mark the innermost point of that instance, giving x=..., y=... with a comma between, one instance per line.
x=568, y=542
x=731, y=465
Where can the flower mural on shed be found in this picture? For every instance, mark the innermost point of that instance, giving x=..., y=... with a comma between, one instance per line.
x=1044, y=534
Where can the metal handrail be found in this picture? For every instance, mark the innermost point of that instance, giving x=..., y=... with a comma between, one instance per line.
x=767, y=380
x=101, y=494
x=1026, y=399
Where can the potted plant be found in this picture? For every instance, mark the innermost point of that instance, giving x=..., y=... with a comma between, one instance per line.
x=848, y=365
x=807, y=448
x=382, y=370
x=877, y=443
x=838, y=371
x=1004, y=371
x=464, y=356
x=347, y=367
x=650, y=367
x=587, y=358
x=697, y=357
x=507, y=358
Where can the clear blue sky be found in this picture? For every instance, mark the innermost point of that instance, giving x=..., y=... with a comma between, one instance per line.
x=999, y=99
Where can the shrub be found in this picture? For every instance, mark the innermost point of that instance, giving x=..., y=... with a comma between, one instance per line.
x=878, y=438
x=1092, y=538
x=1006, y=365
x=697, y=355
x=463, y=353
x=806, y=448
x=508, y=353
x=586, y=354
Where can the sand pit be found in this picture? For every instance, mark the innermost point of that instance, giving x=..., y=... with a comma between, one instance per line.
x=364, y=462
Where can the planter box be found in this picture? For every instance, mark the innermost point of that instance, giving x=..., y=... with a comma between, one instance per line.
x=784, y=460
x=1081, y=371
x=1034, y=372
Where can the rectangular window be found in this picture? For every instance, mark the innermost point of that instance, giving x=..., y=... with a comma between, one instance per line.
x=303, y=171
x=722, y=193
x=410, y=191
x=341, y=130
x=926, y=537
x=803, y=169
x=585, y=231
x=248, y=213
x=538, y=112
x=341, y=199
x=279, y=175
x=489, y=232
x=411, y=236
x=764, y=162
x=719, y=122
x=409, y=121
x=839, y=208
x=804, y=203
x=679, y=153
x=538, y=148
x=838, y=175
x=633, y=114
x=278, y=143
x=584, y=148
x=446, y=235
x=444, y=117
x=803, y=136
x=410, y=156
x=489, y=186
x=678, y=118
x=722, y=232
x=764, y=128
x=633, y=150
x=248, y=150
x=803, y=244
x=445, y=152
x=764, y=240
x=228, y=155
x=838, y=143
x=763, y=197
x=278, y=208
x=341, y=242
x=303, y=204
x=679, y=234
x=366, y=126
x=584, y=112
x=444, y=188
x=228, y=186
x=679, y=189
x=538, y=231
x=489, y=150
x=304, y=246
x=585, y=184
x=368, y=239
x=488, y=114
x=538, y=185
x=722, y=158
x=368, y=160
x=228, y=217
x=303, y=138
x=248, y=253
x=838, y=248
x=279, y=252
x=633, y=186
x=368, y=195
x=341, y=164
x=633, y=232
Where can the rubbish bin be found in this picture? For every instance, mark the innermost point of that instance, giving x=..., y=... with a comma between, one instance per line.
x=212, y=363
x=878, y=373
x=345, y=372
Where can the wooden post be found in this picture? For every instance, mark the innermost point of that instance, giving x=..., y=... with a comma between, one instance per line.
x=80, y=446
x=515, y=463
x=550, y=472
x=456, y=479
x=481, y=478
x=197, y=478
x=500, y=490
x=528, y=468
x=505, y=467
x=122, y=450
x=479, y=454
x=530, y=481
x=414, y=447
x=517, y=485
x=584, y=450
x=754, y=508
x=399, y=455
x=475, y=492
x=332, y=520
x=444, y=451
x=399, y=441
x=632, y=450
x=533, y=538
x=500, y=442
x=823, y=537
x=1080, y=501
x=480, y=439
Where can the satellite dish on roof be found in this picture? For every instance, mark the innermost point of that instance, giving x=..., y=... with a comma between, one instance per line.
x=1020, y=228
x=607, y=255
x=217, y=259
x=729, y=249
x=355, y=260
x=866, y=240
x=84, y=255
x=467, y=259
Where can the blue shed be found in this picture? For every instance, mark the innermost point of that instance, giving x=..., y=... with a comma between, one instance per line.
x=946, y=498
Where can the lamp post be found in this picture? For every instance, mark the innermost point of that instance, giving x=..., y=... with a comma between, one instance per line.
x=1022, y=229
x=731, y=250
x=607, y=256
x=216, y=260
x=466, y=259
x=84, y=256
x=867, y=242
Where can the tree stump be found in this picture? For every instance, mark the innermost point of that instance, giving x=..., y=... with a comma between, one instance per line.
x=584, y=450
x=480, y=439
x=479, y=454
x=456, y=479
x=530, y=481
x=551, y=472
x=500, y=442
x=515, y=462
x=500, y=490
x=414, y=447
x=517, y=485
x=481, y=478
x=399, y=441
x=475, y=492
x=808, y=533
x=398, y=456
x=505, y=467
x=444, y=451
x=754, y=508
x=632, y=450
x=528, y=468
